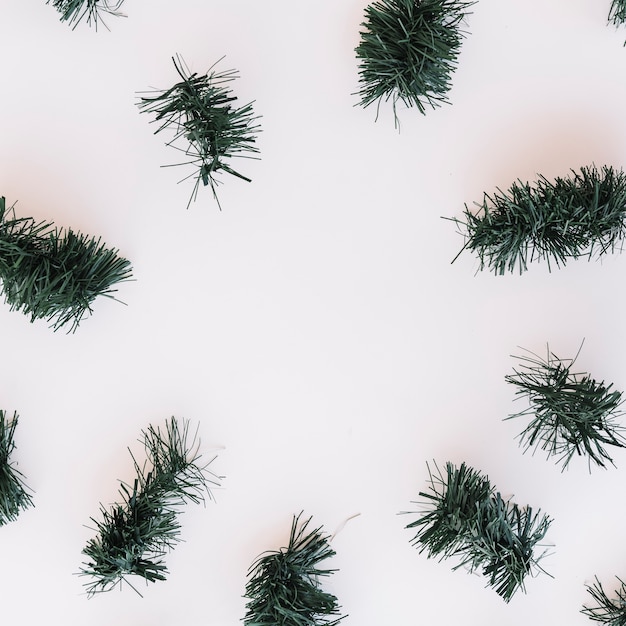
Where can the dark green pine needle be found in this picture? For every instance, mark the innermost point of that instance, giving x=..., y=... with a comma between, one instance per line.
x=206, y=125
x=611, y=611
x=580, y=216
x=134, y=535
x=409, y=50
x=74, y=11
x=54, y=274
x=466, y=518
x=283, y=587
x=14, y=496
x=572, y=414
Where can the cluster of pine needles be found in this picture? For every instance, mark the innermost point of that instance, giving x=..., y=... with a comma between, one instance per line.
x=611, y=611
x=284, y=588
x=553, y=221
x=617, y=13
x=53, y=274
x=467, y=519
x=134, y=535
x=14, y=496
x=206, y=126
x=409, y=50
x=74, y=11
x=572, y=413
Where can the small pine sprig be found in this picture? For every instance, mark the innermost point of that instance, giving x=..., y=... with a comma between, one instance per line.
x=553, y=221
x=284, y=588
x=617, y=13
x=409, y=50
x=206, y=126
x=611, y=611
x=74, y=11
x=452, y=502
x=53, y=274
x=572, y=413
x=134, y=535
x=14, y=496
x=466, y=518
x=501, y=543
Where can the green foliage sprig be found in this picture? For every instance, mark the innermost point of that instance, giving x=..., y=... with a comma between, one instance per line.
x=617, y=13
x=134, y=536
x=611, y=611
x=466, y=518
x=74, y=11
x=283, y=586
x=572, y=413
x=206, y=125
x=54, y=274
x=583, y=215
x=14, y=496
x=408, y=51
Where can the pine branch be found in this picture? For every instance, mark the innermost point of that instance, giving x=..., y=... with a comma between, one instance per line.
x=453, y=504
x=409, y=50
x=74, y=11
x=465, y=518
x=617, y=13
x=14, y=496
x=580, y=216
x=573, y=414
x=283, y=587
x=606, y=610
x=206, y=126
x=51, y=274
x=135, y=535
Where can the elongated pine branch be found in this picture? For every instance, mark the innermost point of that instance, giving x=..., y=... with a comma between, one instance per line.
x=14, y=496
x=284, y=588
x=409, y=50
x=134, y=535
x=610, y=611
x=207, y=128
x=572, y=413
x=74, y=11
x=464, y=517
x=553, y=221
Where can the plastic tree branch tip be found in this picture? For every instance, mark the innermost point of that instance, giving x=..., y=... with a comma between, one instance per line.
x=14, y=496
x=74, y=11
x=552, y=221
x=466, y=518
x=284, y=588
x=53, y=274
x=206, y=126
x=572, y=414
x=409, y=50
x=134, y=535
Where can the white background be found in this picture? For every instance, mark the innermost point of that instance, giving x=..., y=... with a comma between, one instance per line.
x=315, y=328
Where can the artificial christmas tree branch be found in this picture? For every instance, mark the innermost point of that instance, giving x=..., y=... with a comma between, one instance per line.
x=53, y=274
x=74, y=11
x=283, y=587
x=611, y=611
x=206, y=126
x=617, y=13
x=135, y=535
x=408, y=51
x=466, y=518
x=580, y=216
x=14, y=496
x=573, y=414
